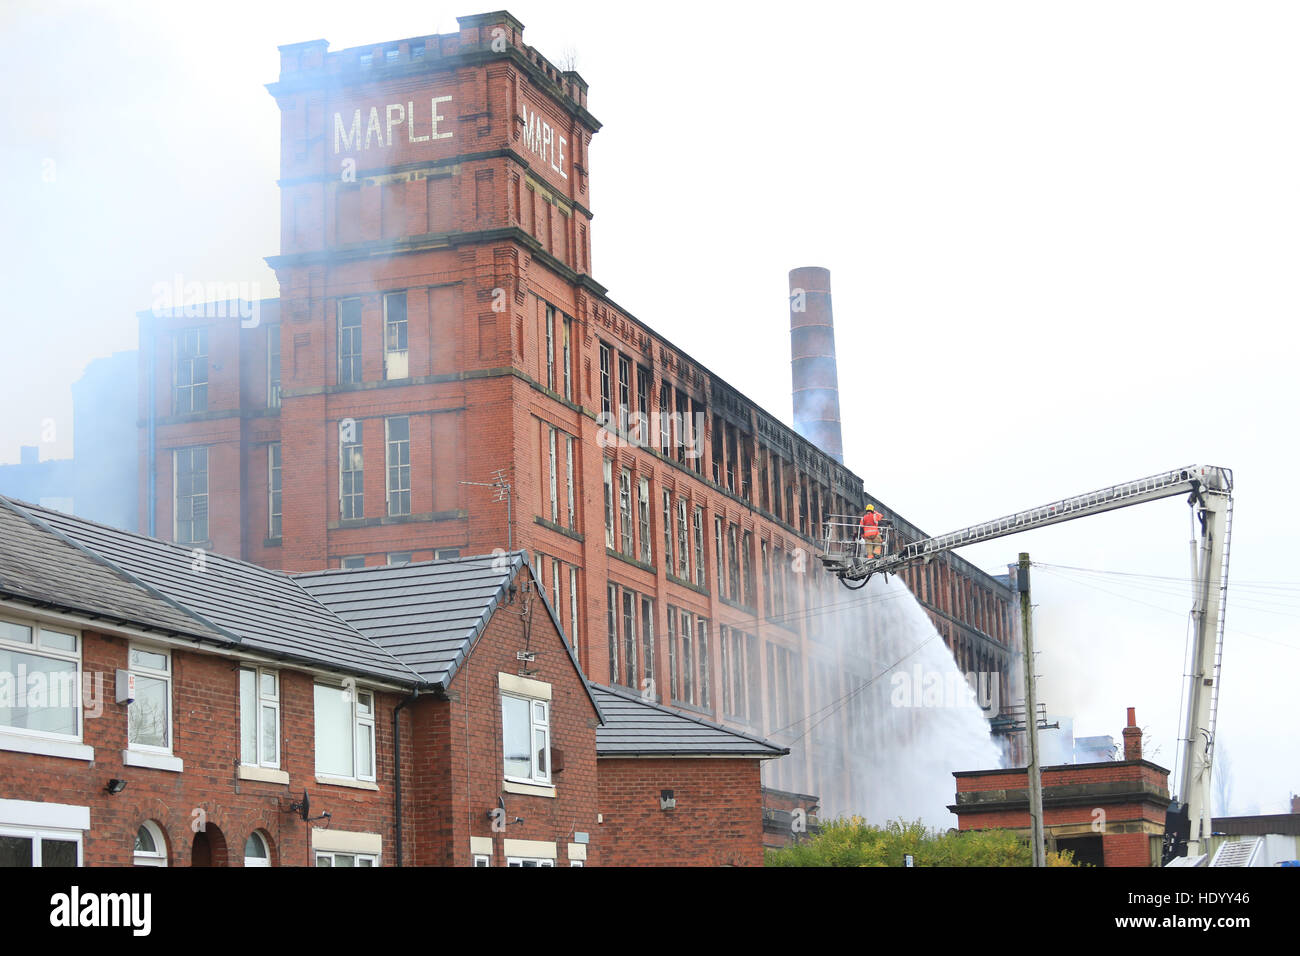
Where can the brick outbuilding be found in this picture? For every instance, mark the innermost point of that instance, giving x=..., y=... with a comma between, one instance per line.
x=1110, y=813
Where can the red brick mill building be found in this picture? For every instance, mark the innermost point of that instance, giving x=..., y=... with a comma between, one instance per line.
x=439, y=323
x=159, y=709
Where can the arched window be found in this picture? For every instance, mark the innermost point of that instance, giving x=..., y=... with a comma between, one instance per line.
x=150, y=847
x=257, y=850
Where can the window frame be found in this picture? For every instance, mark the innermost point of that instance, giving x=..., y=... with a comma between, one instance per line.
x=393, y=496
x=359, y=721
x=195, y=400
x=536, y=778
x=273, y=397
x=349, y=344
x=166, y=675
x=371, y=859
x=274, y=490
x=36, y=649
x=40, y=834
x=260, y=701
x=157, y=858
x=352, y=452
x=258, y=861
x=402, y=351
x=190, y=451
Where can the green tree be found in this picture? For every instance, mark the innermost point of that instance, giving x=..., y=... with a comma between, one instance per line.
x=854, y=842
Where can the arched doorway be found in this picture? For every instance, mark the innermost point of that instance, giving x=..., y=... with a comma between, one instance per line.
x=209, y=847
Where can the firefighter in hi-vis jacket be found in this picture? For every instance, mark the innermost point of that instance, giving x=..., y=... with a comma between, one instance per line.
x=869, y=532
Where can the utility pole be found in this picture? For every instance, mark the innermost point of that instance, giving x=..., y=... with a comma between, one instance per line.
x=1031, y=716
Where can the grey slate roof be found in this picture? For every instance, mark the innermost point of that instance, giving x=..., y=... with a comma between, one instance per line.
x=257, y=608
x=635, y=727
x=427, y=614
x=39, y=568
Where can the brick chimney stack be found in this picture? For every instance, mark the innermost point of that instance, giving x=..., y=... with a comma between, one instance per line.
x=1132, y=737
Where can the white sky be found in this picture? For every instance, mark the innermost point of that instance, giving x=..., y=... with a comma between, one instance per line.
x=1063, y=242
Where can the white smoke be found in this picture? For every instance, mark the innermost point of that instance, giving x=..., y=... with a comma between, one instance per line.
x=915, y=721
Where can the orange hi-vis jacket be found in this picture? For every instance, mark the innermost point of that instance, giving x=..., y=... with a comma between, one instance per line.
x=870, y=527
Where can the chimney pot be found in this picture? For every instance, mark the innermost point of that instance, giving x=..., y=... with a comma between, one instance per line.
x=1132, y=737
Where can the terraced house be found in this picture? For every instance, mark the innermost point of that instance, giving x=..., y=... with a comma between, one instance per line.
x=162, y=706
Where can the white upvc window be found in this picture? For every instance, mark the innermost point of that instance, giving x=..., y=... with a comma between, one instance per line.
x=257, y=849
x=526, y=733
x=529, y=861
x=482, y=859
x=30, y=846
x=150, y=845
x=346, y=859
x=40, y=680
x=149, y=716
x=259, y=717
x=345, y=732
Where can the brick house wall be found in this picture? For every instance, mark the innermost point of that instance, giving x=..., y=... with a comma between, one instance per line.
x=205, y=721
x=717, y=821
x=460, y=772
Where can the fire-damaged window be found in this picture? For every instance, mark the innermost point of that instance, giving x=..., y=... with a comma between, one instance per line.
x=683, y=546
x=668, y=531
x=688, y=658
x=273, y=365
x=625, y=520
x=553, y=483
x=648, y=647
x=698, y=529
x=567, y=361
x=604, y=380
x=609, y=504
x=190, y=480
x=733, y=562
x=398, y=432
x=784, y=687
x=717, y=554
x=568, y=464
x=396, y=351
x=349, y=341
x=767, y=578
x=624, y=391
x=351, y=474
x=643, y=518
x=747, y=567
x=642, y=418
x=273, y=491
x=550, y=347
x=191, y=371
x=665, y=418
x=630, y=660
x=739, y=674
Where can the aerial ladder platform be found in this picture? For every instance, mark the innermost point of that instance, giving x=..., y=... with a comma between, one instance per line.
x=1209, y=493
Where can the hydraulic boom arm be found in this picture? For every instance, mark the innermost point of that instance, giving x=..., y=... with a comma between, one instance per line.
x=1209, y=489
